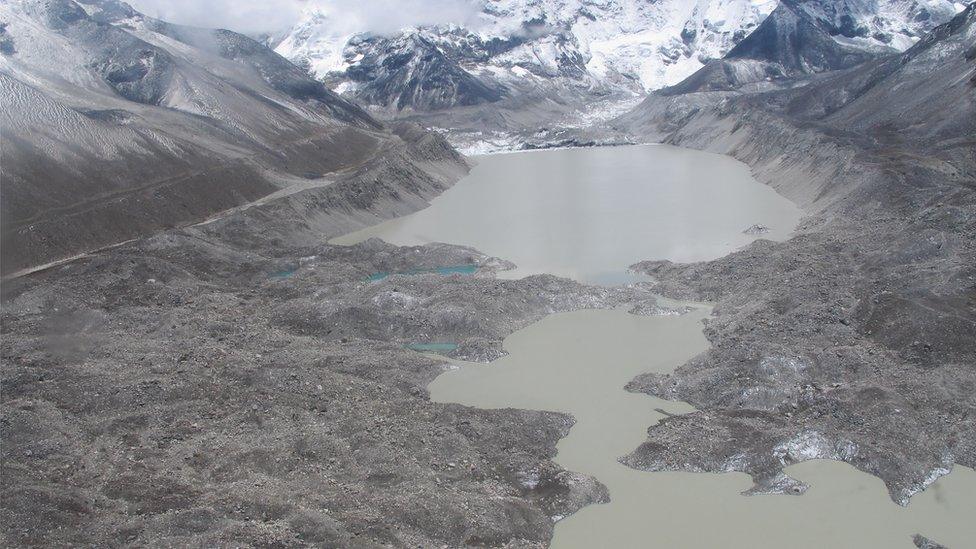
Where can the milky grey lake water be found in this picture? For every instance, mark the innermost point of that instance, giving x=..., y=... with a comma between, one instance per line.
x=579, y=362
x=588, y=214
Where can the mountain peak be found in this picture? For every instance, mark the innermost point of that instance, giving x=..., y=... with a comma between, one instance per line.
x=615, y=46
x=624, y=46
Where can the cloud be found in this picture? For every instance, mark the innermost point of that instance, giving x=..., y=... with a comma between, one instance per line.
x=240, y=15
x=383, y=16
x=252, y=16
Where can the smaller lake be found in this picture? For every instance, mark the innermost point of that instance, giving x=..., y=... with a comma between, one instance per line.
x=550, y=367
x=588, y=214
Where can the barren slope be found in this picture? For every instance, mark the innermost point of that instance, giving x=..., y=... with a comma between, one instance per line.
x=854, y=339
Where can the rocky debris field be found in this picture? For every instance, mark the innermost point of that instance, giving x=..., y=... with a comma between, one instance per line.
x=819, y=353
x=180, y=391
x=853, y=340
x=240, y=382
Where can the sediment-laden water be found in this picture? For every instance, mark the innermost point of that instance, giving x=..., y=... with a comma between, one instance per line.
x=579, y=362
x=587, y=214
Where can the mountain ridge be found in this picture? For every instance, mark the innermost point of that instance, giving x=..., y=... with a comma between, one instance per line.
x=124, y=125
x=620, y=46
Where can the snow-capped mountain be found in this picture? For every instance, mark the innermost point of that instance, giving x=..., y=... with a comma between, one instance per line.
x=804, y=37
x=604, y=46
x=896, y=24
x=621, y=45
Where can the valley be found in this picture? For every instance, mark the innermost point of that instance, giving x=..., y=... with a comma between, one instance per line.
x=254, y=295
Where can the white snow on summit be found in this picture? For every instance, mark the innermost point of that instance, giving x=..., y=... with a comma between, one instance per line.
x=317, y=41
x=632, y=44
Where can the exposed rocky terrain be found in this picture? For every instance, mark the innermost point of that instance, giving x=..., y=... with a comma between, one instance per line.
x=789, y=43
x=236, y=381
x=182, y=391
x=116, y=125
x=923, y=542
x=228, y=379
x=854, y=339
x=616, y=45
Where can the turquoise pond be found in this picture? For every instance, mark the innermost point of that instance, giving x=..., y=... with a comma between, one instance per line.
x=432, y=347
x=447, y=270
x=283, y=274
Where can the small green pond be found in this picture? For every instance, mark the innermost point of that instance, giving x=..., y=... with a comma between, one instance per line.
x=447, y=270
x=432, y=347
x=287, y=273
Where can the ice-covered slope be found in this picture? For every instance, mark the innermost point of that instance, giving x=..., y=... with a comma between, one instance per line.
x=623, y=46
x=881, y=23
x=115, y=124
x=804, y=37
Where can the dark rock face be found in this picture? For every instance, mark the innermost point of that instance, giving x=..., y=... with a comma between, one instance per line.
x=138, y=71
x=61, y=14
x=860, y=19
x=923, y=542
x=899, y=98
x=427, y=69
x=568, y=49
x=800, y=38
x=411, y=72
x=796, y=43
x=852, y=340
x=723, y=75
x=787, y=44
x=6, y=41
x=517, y=48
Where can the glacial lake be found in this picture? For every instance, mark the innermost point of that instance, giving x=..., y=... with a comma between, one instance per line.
x=588, y=214
x=549, y=367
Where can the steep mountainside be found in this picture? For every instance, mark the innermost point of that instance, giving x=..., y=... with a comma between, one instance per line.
x=116, y=124
x=622, y=45
x=853, y=340
x=617, y=46
x=797, y=43
x=924, y=96
x=412, y=72
x=803, y=37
